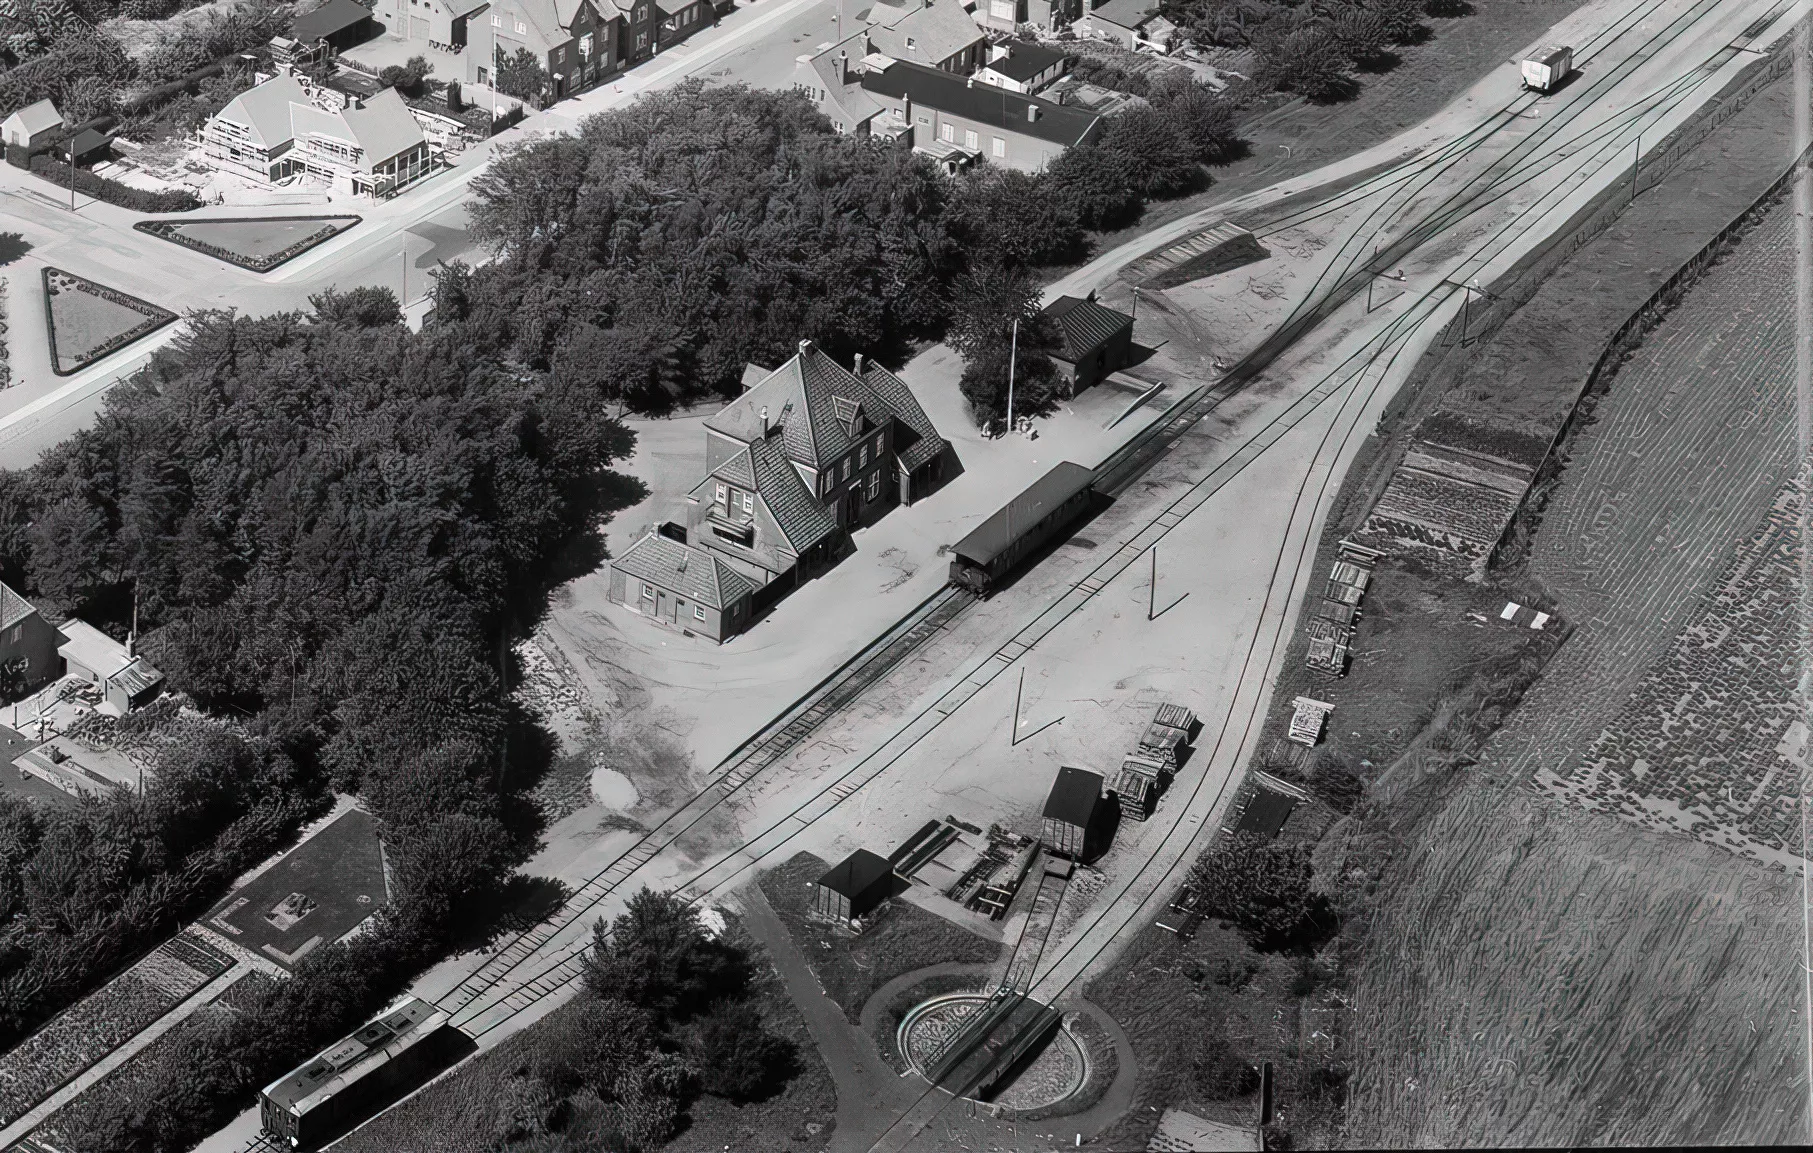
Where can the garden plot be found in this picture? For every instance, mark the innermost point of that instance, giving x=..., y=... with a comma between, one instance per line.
x=1711, y=743
x=258, y=243
x=89, y=321
x=315, y=895
x=104, y=1020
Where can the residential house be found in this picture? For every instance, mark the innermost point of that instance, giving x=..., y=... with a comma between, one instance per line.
x=442, y=24
x=1023, y=66
x=1095, y=340
x=682, y=586
x=957, y=119
x=32, y=126
x=284, y=128
x=579, y=43
x=123, y=678
x=808, y=453
x=1012, y=15
x=338, y=24
x=26, y=637
x=936, y=33
x=1129, y=23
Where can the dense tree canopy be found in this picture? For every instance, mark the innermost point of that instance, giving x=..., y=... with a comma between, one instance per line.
x=673, y=241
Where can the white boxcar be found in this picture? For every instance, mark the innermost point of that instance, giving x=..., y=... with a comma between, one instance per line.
x=1547, y=68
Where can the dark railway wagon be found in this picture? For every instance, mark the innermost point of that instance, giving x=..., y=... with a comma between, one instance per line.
x=344, y=1084
x=982, y=560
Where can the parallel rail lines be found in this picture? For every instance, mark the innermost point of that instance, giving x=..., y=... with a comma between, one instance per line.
x=749, y=760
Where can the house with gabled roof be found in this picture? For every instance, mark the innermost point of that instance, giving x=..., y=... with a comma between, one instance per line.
x=683, y=587
x=28, y=642
x=810, y=452
x=286, y=127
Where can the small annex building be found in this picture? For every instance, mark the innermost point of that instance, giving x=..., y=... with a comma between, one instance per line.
x=32, y=126
x=682, y=586
x=124, y=679
x=854, y=887
x=1094, y=340
x=1070, y=812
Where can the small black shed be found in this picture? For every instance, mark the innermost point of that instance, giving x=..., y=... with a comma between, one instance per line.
x=1070, y=811
x=341, y=23
x=854, y=887
x=90, y=147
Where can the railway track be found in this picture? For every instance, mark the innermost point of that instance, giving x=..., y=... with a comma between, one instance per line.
x=1392, y=344
x=744, y=764
x=535, y=974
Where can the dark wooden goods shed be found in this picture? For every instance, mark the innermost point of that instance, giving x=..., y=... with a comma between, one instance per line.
x=1070, y=811
x=854, y=887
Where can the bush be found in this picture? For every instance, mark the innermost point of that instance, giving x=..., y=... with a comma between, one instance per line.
x=407, y=77
x=1157, y=158
x=657, y=957
x=1089, y=183
x=1217, y=1071
x=1336, y=781
x=112, y=191
x=1264, y=888
x=1309, y=61
x=197, y=42
x=737, y=1058
x=522, y=76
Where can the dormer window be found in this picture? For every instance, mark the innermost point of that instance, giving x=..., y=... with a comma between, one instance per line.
x=722, y=498
x=910, y=44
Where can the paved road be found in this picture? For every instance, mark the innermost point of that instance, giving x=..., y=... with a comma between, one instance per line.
x=98, y=241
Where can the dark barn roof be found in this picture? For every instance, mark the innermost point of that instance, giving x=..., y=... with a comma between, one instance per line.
x=984, y=103
x=1074, y=796
x=331, y=18
x=856, y=874
x=993, y=535
x=1084, y=325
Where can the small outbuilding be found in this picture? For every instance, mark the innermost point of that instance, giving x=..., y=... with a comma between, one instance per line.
x=124, y=679
x=340, y=24
x=854, y=887
x=90, y=147
x=33, y=126
x=1070, y=812
x=1094, y=340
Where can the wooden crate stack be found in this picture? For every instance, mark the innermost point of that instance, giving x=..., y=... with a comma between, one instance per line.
x=1331, y=620
x=1161, y=749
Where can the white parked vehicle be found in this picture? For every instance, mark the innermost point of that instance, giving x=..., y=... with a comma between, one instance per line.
x=1545, y=71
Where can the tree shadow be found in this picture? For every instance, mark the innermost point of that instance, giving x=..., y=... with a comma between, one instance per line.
x=1376, y=62
x=519, y=904
x=1449, y=9
x=13, y=245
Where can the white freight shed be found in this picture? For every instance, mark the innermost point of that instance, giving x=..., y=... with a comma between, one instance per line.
x=1545, y=70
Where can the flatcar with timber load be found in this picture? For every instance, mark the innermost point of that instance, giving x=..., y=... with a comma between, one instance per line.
x=982, y=561
x=327, y=1095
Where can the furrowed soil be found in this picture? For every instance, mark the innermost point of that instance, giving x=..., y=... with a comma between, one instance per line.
x=1522, y=970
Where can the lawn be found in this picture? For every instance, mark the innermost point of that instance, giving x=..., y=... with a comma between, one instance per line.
x=89, y=320
x=339, y=873
x=256, y=243
x=467, y=1110
x=852, y=968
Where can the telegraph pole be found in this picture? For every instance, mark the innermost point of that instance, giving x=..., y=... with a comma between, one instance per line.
x=1013, y=354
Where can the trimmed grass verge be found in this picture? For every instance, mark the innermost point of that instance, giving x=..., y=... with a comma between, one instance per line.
x=88, y=321
x=256, y=243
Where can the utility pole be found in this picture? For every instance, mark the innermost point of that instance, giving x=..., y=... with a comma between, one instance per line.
x=1136, y=302
x=1013, y=354
x=72, y=174
x=1152, y=587
x=1014, y=737
x=405, y=272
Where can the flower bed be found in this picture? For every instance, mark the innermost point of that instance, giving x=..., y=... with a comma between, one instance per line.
x=174, y=232
x=101, y=1022
x=90, y=330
